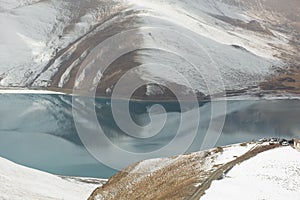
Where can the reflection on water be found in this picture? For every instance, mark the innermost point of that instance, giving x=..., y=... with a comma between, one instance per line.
x=39, y=130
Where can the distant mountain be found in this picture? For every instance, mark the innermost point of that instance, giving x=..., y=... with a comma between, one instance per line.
x=242, y=171
x=166, y=47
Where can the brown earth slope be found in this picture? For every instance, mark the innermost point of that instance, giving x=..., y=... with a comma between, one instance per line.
x=181, y=177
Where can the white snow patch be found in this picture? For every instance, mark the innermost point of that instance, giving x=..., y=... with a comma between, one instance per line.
x=230, y=153
x=24, y=91
x=152, y=165
x=18, y=182
x=66, y=75
x=153, y=90
x=271, y=175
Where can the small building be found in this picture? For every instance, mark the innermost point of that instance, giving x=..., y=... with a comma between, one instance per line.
x=296, y=144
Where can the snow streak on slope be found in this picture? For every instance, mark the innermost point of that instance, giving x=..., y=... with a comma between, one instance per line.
x=22, y=183
x=272, y=175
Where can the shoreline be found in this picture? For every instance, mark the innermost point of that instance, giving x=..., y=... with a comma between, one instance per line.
x=67, y=92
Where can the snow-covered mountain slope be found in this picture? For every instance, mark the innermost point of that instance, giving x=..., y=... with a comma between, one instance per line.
x=34, y=31
x=18, y=182
x=272, y=175
x=189, y=176
x=243, y=49
x=212, y=45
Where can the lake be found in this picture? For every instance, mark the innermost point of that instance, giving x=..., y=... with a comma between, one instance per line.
x=41, y=131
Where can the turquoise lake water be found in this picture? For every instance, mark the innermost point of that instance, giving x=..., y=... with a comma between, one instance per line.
x=40, y=131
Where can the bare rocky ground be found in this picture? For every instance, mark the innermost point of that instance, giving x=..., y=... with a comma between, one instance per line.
x=180, y=177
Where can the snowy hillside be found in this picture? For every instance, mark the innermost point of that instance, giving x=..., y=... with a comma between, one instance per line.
x=152, y=178
x=209, y=43
x=272, y=175
x=34, y=31
x=22, y=183
x=243, y=56
x=264, y=167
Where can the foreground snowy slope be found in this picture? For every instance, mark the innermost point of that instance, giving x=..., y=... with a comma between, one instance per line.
x=272, y=175
x=157, y=178
x=18, y=182
x=189, y=176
